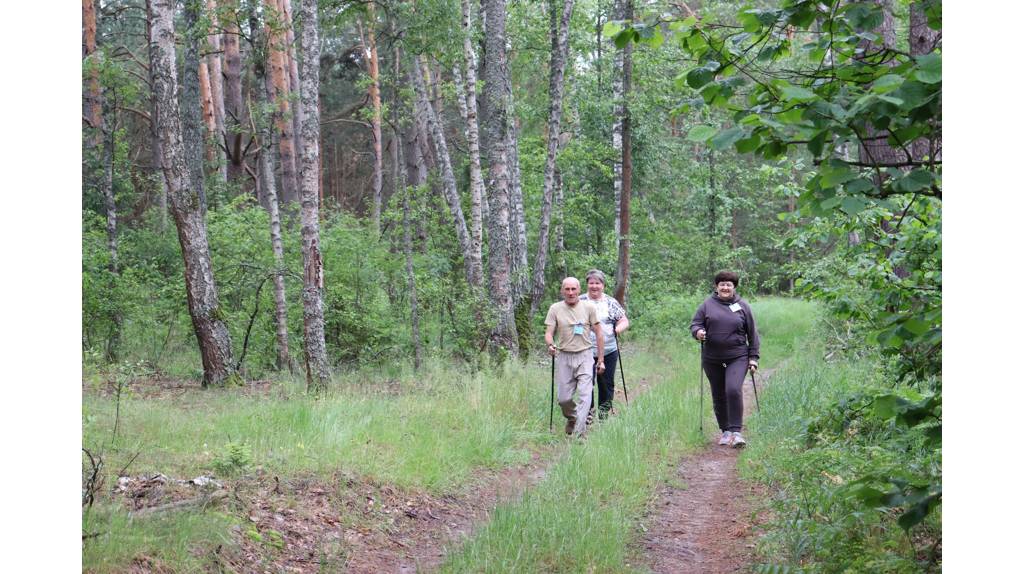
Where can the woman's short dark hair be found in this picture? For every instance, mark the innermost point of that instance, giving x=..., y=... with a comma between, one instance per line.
x=727, y=276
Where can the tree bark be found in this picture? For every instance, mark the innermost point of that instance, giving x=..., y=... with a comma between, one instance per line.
x=495, y=125
x=92, y=107
x=924, y=40
x=622, y=270
x=618, y=115
x=190, y=103
x=563, y=268
x=375, y=120
x=476, y=179
x=556, y=88
x=875, y=148
x=204, y=307
x=317, y=368
x=266, y=156
x=276, y=54
x=451, y=193
x=399, y=182
x=292, y=65
x=217, y=88
x=109, y=105
x=233, y=95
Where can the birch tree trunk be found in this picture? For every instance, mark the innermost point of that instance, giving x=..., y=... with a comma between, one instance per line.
x=109, y=119
x=451, y=193
x=276, y=54
x=375, y=120
x=204, y=307
x=266, y=157
x=563, y=268
x=318, y=372
x=499, y=185
x=622, y=269
x=217, y=88
x=556, y=85
x=476, y=179
x=190, y=103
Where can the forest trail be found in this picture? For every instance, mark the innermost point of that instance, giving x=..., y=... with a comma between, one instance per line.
x=422, y=544
x=703, y=520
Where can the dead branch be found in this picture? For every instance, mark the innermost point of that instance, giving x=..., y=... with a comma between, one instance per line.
x=201, y=501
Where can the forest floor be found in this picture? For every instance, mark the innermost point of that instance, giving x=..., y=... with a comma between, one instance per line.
x=701, y=520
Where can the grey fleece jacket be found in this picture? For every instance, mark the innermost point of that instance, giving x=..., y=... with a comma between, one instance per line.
x=730, y=334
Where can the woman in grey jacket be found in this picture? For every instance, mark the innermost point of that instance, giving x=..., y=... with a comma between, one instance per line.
x=725, y=323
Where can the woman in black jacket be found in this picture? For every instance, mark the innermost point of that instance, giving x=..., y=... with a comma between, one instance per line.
x=725, y=323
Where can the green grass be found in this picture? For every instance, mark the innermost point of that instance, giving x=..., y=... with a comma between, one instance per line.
x=179, y=540
x=429, y=431
x=817, y=526
x=582, y=517
x=415, y=437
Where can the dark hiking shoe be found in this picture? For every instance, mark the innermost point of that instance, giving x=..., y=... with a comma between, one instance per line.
x=570, y=424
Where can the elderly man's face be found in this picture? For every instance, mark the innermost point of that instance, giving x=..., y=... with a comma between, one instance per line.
x=571, y=291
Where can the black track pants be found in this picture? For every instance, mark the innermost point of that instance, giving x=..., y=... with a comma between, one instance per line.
x=726, y=378
x=605, y=382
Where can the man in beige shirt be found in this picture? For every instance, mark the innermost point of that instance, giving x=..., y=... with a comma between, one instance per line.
x=573, y=320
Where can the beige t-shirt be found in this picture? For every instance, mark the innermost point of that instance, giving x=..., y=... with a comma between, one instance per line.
x=565, y=319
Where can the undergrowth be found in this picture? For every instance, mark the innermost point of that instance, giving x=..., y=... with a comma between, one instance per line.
x=846, y=473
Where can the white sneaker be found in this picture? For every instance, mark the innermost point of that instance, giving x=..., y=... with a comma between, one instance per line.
x=726, y=438
x=737, y=440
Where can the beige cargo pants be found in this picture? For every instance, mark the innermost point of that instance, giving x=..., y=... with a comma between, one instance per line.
x=574, y=372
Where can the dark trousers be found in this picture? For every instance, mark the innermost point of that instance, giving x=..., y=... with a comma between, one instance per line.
x=726, y=378
x=605, y=383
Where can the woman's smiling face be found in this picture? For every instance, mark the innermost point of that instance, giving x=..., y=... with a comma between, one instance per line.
x=725, y=289
x=595, y=288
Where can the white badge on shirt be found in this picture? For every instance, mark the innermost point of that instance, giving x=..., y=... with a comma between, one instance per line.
x=577, y=329
x=734, y=307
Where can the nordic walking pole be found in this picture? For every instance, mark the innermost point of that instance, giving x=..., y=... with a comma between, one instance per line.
x=551, y=417
x=622, y=371
x=753, y=382
x=700, y=379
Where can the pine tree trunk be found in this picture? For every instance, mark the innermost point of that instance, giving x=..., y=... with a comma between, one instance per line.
x=451, y=193
x=499, y=185
x=233, y=95
x=400, y=187
x=476, y=179
x=375, y=121
x=190, y=103
x=217, y=89
x=92, y=107
x=292, y=65
x=924, y=40
x=875, y=148
x=317, y=368
x=622, y=270
x=204, y=307
x=209, y=120
x=618, y=115
x=269, y=194
x=556, y=88
x=276, y=54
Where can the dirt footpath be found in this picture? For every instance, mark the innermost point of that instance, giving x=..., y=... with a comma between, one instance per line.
x=702, y=520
